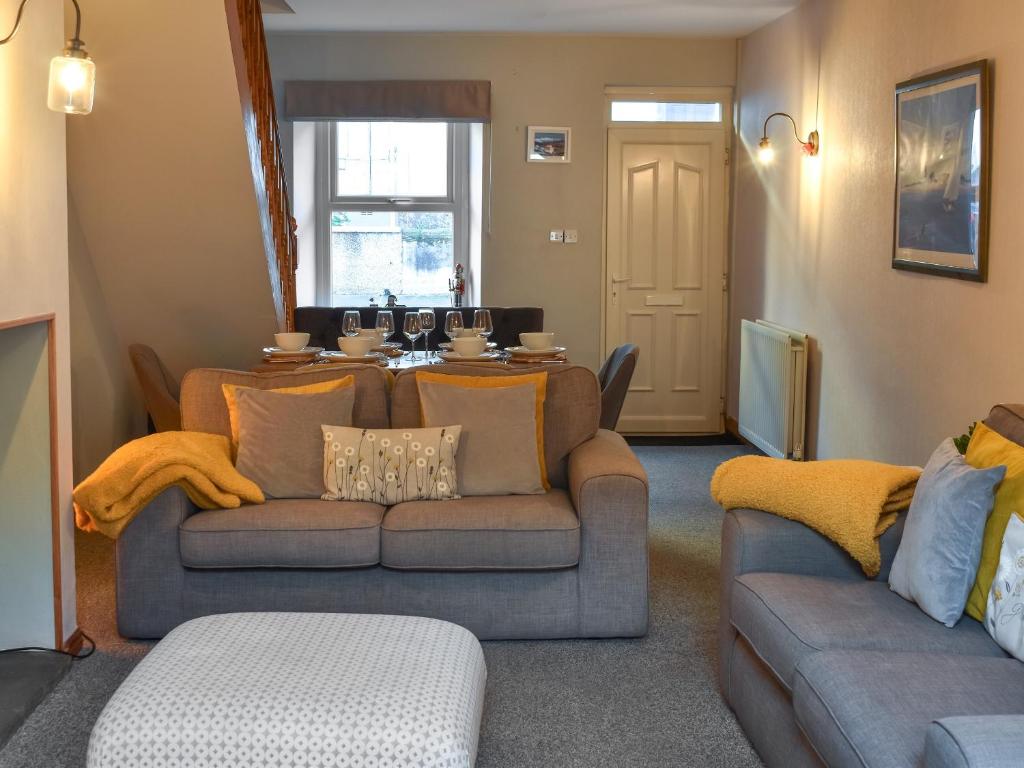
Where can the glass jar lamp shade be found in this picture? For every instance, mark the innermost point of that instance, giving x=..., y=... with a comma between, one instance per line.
x=72, y=82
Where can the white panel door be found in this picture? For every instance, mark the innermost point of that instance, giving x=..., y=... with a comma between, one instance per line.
x=665, y=274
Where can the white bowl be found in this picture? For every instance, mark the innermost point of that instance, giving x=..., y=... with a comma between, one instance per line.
x=537, y=340
x=291, y=342
x=469, y=346
x=356, y=346
x=374, y=334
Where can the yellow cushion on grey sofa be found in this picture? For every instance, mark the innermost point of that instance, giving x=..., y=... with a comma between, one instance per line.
x=283, y=533
x=482, y=533
x=572, y=407
x=202, y=400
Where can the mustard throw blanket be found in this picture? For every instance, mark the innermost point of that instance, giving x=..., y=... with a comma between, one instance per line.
x=851, y=502
x=138, y=471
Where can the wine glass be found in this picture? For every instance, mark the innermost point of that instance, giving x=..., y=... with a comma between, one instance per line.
x=427, y=322
x=412, y=329
x=351, y=323
x=453, y=324
x=482, y=324
x=385, y=324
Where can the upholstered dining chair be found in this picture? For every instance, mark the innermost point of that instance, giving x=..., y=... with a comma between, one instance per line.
x=615, y=376
x=160, y=390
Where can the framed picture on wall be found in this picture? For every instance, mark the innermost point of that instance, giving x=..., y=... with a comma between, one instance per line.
x=548, y=145
x=942, y=173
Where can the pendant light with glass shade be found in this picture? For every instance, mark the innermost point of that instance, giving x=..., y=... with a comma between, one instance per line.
x=72, y=74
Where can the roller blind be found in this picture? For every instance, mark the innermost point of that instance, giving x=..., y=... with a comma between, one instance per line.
x=449, y=100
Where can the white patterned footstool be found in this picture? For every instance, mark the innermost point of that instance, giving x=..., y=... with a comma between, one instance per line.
x=298, y=689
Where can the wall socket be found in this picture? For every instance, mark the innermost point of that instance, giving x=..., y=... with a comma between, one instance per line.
x=564, y=236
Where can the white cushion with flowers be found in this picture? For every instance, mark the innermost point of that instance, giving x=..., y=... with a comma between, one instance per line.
x=389, y=466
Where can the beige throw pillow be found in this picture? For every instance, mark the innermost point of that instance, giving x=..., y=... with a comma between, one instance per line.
x=389, y=466
x=280, y=446
x=498, y=452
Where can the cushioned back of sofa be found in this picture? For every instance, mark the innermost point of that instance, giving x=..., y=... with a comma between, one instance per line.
x=202, y=400
x=1008, y=421
x=572, y=407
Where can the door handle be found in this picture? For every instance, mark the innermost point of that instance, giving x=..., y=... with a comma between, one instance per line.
x=617, y=279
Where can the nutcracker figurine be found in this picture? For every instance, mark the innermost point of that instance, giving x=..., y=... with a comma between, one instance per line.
x=457, y=286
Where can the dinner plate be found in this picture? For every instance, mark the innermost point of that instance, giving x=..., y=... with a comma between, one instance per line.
x=341, y=357
x=527, y=352
x=455, y=357
x=304, y=352
x=447, y=345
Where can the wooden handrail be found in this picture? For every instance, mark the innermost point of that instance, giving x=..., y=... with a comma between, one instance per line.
x=259, y=113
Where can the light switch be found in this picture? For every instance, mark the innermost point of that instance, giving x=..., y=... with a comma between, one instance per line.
x=571, y=236
x=556, y=236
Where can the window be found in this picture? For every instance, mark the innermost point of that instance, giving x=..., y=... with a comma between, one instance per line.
x=393, y=210
x=666, y=112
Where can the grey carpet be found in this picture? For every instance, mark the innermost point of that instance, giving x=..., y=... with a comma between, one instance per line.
x=647, y=702
x=25, y=679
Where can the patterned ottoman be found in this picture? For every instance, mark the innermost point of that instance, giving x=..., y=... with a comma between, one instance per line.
x=298, y=689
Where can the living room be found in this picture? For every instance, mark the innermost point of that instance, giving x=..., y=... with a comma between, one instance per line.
x=613, y=196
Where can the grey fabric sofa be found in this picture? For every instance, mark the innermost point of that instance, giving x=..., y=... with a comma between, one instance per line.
x=569, y=563
x=824, y=666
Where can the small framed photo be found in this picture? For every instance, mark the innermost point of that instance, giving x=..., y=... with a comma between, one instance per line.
x=942, y=173
x=548, y=145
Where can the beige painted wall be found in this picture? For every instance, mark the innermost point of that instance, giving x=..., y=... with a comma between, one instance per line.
x=536, y=80
x=33, y=241
x=902, y=359
x=167, y=249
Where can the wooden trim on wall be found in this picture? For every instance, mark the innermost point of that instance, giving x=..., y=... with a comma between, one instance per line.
x=50, y=319
x=74, y=642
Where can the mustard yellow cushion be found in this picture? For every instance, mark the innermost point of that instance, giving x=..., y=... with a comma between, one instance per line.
x=990, y=449
x=539, y=381
x=231, y=398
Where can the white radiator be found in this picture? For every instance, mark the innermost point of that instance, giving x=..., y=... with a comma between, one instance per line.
x=773, y=388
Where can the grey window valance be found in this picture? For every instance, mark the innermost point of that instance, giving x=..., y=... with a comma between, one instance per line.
x=450, y=100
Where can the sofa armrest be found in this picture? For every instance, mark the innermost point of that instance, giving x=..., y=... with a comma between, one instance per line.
x=150, y=576
x=754, y=541
x=608, y=487
x=985, y=741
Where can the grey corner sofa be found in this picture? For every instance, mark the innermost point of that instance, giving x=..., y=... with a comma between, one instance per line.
x=569, y=563
x=824, y=666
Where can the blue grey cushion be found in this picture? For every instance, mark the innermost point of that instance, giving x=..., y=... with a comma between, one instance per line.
x=787, y=617
x=990, y=741
x=870, y=708
x=938, y=556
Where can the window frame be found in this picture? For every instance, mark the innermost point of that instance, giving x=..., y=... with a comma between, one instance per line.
x=456, y=202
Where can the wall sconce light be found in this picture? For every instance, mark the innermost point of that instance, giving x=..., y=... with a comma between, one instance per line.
x=766, y=153
x=72, y=74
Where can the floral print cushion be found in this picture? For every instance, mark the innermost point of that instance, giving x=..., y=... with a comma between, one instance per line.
x=389, y=466
x=1004, y=616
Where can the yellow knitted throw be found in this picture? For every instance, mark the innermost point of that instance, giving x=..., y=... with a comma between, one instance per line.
x=138, y=471
x=850, y=501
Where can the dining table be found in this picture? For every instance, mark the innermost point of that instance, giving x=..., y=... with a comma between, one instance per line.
x=397, y=363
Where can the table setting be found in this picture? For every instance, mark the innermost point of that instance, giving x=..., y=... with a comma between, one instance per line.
x=372, y=346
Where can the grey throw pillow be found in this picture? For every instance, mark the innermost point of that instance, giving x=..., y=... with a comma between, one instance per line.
x=280, y=443
x=938, y=556
x=498, y=453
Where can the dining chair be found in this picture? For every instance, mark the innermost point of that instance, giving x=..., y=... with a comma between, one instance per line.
x=614, y=377
x=160, y=390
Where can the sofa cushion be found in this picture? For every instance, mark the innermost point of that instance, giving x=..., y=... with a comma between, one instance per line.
x=203, y=408
x=786, y=618
x=572, y=406
x=283, y=533
x=873, y=708
x=483, y=533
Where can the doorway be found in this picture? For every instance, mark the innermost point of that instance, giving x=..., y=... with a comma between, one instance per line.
x=665, y=271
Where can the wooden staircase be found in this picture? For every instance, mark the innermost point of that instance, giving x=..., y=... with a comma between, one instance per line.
x=259, y=113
